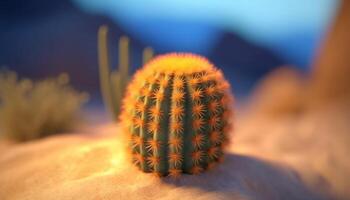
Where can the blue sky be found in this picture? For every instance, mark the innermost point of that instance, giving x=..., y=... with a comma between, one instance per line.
x=291, y=28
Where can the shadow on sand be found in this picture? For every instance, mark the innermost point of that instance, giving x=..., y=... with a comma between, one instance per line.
x=244, y=177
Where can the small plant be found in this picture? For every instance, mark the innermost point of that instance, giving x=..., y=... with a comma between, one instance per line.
x=177, y=114
x=31, y=110
x=114, y=82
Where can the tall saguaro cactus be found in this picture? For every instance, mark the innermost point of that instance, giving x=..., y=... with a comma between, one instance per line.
x=114, y=82
x=177, y=115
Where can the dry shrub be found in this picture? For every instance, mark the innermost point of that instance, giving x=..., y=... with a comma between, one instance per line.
x=31, y=110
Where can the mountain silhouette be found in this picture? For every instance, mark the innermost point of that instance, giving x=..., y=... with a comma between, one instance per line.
x=44, y=38
x=243, y=62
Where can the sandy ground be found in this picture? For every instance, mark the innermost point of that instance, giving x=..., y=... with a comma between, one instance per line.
x=292, y=151
x=289, y=157
x=315, y=143
x=93, y=166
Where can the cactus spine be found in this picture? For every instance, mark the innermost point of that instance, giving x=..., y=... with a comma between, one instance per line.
x=177, y=113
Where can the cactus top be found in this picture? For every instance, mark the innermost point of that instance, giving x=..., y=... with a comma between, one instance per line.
x=177, y=115
x=179, y=63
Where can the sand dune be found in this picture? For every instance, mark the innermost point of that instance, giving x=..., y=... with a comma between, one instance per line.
x=93, y=166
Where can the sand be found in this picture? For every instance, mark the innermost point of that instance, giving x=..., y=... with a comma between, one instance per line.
x=93, y=166
x=291, y=151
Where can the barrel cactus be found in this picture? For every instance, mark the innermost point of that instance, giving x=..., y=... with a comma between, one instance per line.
x=177, y=115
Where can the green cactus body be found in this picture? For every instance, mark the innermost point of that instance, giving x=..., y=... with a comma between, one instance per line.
x=177, y=114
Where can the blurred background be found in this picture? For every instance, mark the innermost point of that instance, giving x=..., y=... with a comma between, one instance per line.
x=246, y=39
x=287, y=61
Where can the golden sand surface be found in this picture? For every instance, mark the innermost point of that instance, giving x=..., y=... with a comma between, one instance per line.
x=295, y=150
x=93, y=166
x=299, y=156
